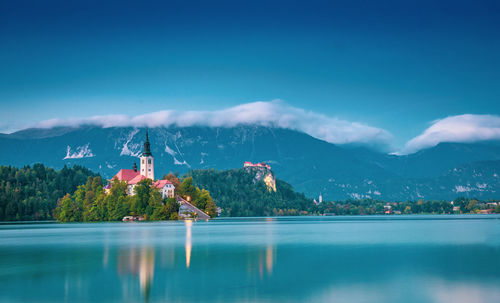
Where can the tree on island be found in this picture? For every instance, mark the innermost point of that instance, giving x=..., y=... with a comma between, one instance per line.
x=174, y=178
x=91, y=203
x=199, y=198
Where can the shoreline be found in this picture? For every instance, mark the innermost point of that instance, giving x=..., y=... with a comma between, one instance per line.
x=264, y=217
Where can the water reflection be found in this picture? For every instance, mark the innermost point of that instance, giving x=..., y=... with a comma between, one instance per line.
x=269, y=260
x=266, y=254
x=270, y=230
x=188, y=224
x=138, y=262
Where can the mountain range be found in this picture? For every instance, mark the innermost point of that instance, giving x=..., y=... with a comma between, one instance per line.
x=312, y=166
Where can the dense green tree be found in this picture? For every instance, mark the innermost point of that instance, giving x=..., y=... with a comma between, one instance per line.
x=141, y=198
x=174, y=179
x=65, y=209
x=188, y=190
x=154, y=202
x=166, y=211
x=472, y=206
x=32, y=192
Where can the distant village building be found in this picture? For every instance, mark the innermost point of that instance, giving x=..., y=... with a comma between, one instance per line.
x=387, y=209
x=320, y=200
x=133, y=176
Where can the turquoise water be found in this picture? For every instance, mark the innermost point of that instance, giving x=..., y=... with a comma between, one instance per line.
x=299, y=259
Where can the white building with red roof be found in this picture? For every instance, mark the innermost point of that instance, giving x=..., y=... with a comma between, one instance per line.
x=166, y=188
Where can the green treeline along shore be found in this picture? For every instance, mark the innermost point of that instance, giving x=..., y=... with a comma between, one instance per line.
x=76, y=194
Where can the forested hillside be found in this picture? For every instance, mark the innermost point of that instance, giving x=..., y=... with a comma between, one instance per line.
x=239, y=194
x=31, y=193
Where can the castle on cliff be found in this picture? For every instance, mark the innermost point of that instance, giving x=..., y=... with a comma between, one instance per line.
x=262, y=172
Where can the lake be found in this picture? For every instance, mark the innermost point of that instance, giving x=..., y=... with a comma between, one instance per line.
x=286, y=259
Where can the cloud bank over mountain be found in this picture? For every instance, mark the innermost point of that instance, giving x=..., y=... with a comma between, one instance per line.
x=274, y=113
x=465, y=128
x=462, y=129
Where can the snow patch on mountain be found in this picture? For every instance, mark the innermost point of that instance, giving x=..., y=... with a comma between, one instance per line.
x=170, y=151
x=468, y=188
x=79, y=153
x=203, y=155
x=481, y=185
x=134, y=149
x=462, y=189
x=177, y=162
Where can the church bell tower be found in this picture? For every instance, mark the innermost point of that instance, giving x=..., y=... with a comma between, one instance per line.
x=147, y=160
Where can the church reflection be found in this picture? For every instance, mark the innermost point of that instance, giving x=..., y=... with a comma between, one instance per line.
x=166, y=259
x=139, y=262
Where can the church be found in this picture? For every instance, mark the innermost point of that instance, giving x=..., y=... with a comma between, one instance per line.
x=147, y=171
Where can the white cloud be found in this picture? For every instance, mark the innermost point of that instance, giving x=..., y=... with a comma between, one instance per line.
x=275, y=113
x=463, y=128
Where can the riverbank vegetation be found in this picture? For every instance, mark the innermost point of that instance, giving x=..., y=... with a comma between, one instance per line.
x=377, y=207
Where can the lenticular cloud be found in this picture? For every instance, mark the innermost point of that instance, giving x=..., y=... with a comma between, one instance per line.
x=462, y=128
x=275, y=113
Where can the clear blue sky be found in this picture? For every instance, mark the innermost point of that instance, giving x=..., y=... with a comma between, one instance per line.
x=396, y=65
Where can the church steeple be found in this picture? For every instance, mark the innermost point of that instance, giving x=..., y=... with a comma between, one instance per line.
x=147, y=160
x=147, y=147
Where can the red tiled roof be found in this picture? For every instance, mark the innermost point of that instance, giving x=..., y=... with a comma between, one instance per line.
x=136, y=179
x=161, y=183
x=262, y=164
x=126, y=174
